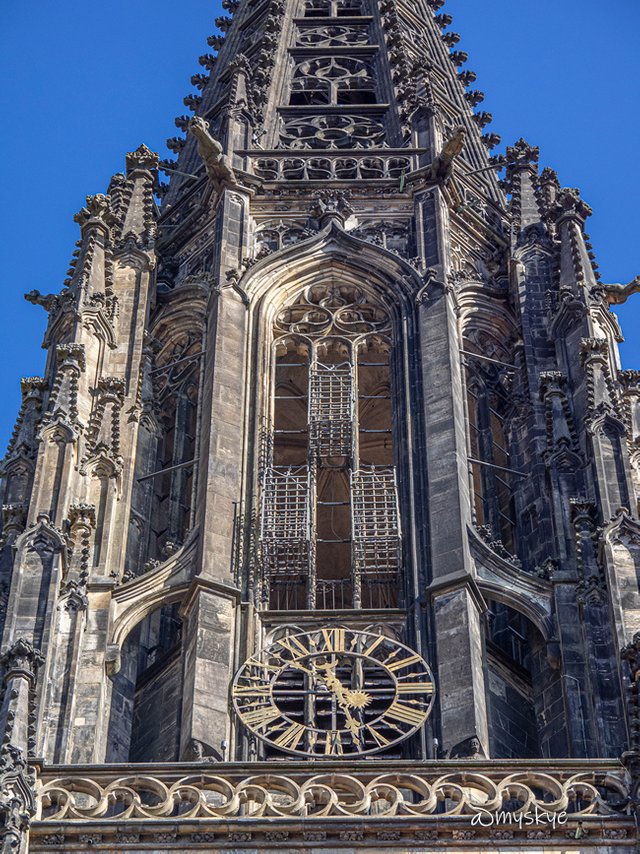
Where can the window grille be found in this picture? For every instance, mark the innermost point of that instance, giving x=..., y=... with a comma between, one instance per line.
x=331, y=410
x=285, y=533
x=376, y=526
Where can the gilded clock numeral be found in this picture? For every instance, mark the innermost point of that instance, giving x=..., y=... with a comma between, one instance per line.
x=415, y=687
x=333, y=744
x=291, y=737
x=261, y=665
x=404, y=662
x=405, y=714
x=334, y=640
x=374, y=645
x=257, y=691
x=379, y=739
x=294, y=646
x=258, y=718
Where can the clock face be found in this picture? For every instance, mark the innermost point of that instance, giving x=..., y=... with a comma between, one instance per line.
x=334, y=692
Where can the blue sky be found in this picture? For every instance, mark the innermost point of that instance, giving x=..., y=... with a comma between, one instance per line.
x=83, y=83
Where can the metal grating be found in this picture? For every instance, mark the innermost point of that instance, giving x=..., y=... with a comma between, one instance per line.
x=285, y=531
x=376, y=523
x=331, y=410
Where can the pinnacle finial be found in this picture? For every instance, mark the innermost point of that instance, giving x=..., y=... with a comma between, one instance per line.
x=521, y=155
x=141, y=159
x=95, y=213
x=570, y=204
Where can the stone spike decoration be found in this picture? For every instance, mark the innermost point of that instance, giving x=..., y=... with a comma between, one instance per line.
x=332, y=459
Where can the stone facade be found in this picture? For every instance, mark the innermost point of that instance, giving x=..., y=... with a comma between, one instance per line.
x=341, y=379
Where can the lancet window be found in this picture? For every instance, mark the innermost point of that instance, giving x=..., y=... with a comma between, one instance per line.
x=332, y=8
x=177, y=380
x=333, y=80
x=491, y=469
x=330, y=530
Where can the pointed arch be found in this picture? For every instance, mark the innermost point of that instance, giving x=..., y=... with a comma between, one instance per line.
x=343, y=303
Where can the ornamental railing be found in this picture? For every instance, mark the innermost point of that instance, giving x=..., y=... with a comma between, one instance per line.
x=523, y=802
x=330, y=168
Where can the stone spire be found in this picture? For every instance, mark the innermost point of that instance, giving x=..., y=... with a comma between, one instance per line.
x=402, y=84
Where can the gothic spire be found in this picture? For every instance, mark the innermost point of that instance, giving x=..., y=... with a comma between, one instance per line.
x=294, y=85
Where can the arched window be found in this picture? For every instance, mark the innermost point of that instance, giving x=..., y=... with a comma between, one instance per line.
x=328, y=80
x=525, y=697
x=492, y=473
x=147, y=691
x=329, y=531
x=333, y=8
x=177, y=380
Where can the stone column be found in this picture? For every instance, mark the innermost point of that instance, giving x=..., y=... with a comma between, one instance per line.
x=457, y=603
x=209, y=610
x=17, y=804
x=209, y=618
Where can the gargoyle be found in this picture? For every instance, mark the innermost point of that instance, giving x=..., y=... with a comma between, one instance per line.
x=442, y=164
x=441, y=167
x=617, y=294
x=48, y=301
x=212, y=154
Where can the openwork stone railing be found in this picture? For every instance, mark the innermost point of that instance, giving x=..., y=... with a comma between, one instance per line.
x=277, y=167
x=381, y=800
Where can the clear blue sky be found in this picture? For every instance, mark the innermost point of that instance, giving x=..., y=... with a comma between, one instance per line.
x=85, y=82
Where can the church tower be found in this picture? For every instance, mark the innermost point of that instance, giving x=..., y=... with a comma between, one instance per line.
x=321, y=529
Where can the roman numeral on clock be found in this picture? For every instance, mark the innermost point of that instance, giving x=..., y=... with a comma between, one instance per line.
x=333, y=744
x=404, y=662
x=334, y=640
x=405, y=714
x=294, y=646
x=414, y=687
x=262, y=717
x=291, y=737
x=260, y=692
x=379, y=739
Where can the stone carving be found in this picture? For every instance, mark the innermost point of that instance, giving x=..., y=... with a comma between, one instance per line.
x=521, y=155
x=342, y=311
x=442, y=166
x=338, y=130
x=17, y=801
x=21, y=658
x=330, y=206
x=321, y=168
x=333, y=80
x=331, y=795
x=103, y=433
x=618, y=294
x=63, y=400
x=335, y=35
x=141, y=159
x=216, y=163
x=14, y=517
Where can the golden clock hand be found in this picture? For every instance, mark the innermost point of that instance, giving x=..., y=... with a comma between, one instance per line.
x=341, y=693
x=297, y=666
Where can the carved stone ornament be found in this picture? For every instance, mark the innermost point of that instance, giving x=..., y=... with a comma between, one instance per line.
x=331, y=206
x=95, y=214
x=399, y=795
x=522, y=155
x=21, y=659
x=17, y=799
x=142, y=159
x=569, y=204
x=216, y=162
